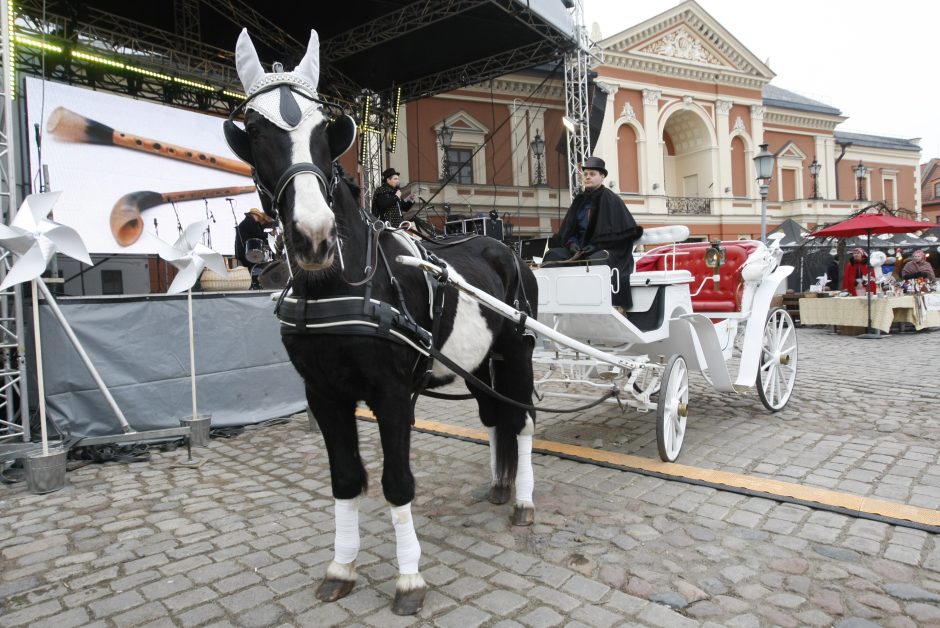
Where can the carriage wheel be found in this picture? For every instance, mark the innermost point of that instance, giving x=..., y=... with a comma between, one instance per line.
x=778, y=357
x=672, y=409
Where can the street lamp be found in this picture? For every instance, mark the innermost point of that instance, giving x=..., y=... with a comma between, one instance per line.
x=860, y=172
x=814, y=169
x=445, y=135
x=764, y=165
x=538, y=149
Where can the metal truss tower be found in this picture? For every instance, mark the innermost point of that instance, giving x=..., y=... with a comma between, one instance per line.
x=576, y=99
x=371, y=142
x=14, y=419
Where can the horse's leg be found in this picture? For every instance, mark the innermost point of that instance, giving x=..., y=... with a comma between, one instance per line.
x=500, y=483
x=394, y=414
x=513, y=378
x=337, y=423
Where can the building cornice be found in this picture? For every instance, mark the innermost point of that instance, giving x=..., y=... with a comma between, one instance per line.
x=664, y=67
x=791, y=117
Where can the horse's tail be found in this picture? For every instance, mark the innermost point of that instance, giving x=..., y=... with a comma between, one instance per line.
x=507, y=453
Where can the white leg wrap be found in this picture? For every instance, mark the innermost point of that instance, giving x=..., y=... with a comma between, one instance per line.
x=492, y=453
x=407, y=548
x=346, y=541
x=525, y=478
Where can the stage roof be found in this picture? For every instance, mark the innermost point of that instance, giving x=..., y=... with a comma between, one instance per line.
x=424, y=47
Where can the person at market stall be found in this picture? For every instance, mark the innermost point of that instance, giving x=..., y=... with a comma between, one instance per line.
x=918, y=267
x=858, y=274
x=888, y=267
x=598, y=227
x=832, y=274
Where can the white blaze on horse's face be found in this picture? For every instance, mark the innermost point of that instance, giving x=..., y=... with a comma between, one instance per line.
x=313, y=218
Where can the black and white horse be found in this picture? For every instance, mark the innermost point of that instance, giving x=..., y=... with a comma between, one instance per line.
x=347, y=323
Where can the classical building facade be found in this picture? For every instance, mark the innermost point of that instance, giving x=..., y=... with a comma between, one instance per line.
x=930, y=190
x=687, y=108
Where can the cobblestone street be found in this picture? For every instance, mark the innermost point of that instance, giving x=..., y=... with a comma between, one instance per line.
x=245, y=538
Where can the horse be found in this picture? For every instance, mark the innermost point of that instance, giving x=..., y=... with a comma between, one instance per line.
x=355, y=322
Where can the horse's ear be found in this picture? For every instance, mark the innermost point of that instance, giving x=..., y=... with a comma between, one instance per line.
x=341, y=133
x=237, y=140
x=309, y=66
x=246, y=61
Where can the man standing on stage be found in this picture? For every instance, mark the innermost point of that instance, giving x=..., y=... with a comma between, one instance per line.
x=387, y=203
x=251, y=228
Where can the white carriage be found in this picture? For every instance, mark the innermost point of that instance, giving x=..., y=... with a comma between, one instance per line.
x=696, y=306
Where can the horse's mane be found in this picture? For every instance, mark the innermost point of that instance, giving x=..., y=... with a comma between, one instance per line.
x=348, y=180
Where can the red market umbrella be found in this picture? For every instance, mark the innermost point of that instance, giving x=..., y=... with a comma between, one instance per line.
x=866, y=225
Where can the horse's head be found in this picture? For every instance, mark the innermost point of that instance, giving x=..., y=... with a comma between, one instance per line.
x=291, y=140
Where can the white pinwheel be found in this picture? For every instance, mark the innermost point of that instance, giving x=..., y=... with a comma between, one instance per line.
x=35, y=239
x=190, y=256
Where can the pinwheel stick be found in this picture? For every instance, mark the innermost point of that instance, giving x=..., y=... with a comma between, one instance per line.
x=40, y=385
x=192, y=350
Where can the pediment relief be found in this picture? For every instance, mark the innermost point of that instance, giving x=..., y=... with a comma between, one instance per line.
x=791, y=151
x=686, y=35
x=463, y=121
x=682, y=44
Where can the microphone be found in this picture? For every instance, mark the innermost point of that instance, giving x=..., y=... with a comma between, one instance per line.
x=155, y=227
x=230, y=199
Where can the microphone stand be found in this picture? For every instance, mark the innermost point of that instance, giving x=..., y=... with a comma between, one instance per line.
x=208, y=226
x=179, y=225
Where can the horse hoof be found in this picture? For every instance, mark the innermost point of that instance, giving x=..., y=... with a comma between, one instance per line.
x=409, y=602
x=522, y=515
x=499, y=494
x=331, y=589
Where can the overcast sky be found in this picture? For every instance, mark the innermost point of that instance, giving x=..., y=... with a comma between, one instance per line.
x=871, y=59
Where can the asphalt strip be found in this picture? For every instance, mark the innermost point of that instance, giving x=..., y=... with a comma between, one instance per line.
x=893, y=513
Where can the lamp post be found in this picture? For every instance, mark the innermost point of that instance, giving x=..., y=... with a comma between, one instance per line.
x=860, y=172
x=764, y=165
x=814, y=169
x=538, y=149
x=445, y=135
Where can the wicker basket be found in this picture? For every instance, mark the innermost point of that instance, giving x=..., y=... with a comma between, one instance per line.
x=238, y=279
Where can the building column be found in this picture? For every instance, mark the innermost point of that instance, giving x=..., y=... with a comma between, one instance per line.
x=519, y=145
x=757, y=134
x=723, y=134
x=654, y=143
x=606, y=147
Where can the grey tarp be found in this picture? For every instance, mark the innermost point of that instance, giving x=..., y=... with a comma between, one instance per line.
x=140, y=346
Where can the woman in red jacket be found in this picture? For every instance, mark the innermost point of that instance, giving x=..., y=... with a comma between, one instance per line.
x=858, y=274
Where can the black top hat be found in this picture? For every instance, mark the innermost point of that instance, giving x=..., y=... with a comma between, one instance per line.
x=595, y=163
x=389, y=172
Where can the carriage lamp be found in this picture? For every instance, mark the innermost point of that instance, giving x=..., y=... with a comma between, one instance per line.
x=714, y=258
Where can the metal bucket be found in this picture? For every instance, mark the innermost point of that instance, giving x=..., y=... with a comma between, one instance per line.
x=198, y=429
x=45, y=473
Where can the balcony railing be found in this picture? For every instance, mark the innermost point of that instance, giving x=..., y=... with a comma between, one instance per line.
x=689, y=205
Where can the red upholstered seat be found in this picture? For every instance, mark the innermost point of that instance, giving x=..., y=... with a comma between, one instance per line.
x=726, y=297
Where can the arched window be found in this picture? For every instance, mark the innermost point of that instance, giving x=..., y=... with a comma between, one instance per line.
x=627, y=151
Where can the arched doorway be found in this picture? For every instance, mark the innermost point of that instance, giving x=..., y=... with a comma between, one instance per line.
x=688, y=163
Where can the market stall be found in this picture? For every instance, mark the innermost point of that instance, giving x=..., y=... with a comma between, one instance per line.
x=919, y=310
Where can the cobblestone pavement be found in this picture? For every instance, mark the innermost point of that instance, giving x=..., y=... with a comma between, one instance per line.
x=244, y=538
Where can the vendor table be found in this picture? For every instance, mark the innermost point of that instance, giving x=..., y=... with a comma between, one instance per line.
x=853, y=312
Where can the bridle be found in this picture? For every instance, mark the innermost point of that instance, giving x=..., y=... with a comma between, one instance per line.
x=238, y=141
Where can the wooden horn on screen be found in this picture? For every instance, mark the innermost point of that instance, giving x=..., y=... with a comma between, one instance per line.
x=126, y=222
x=67, y=125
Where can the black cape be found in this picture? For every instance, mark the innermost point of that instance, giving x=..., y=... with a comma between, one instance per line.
x=611, y=228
